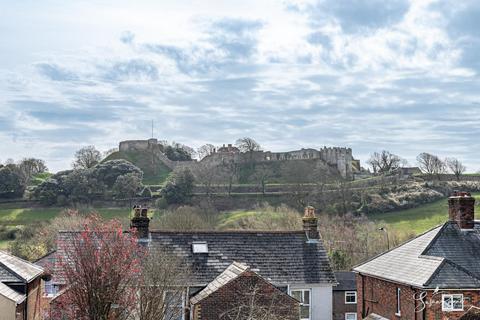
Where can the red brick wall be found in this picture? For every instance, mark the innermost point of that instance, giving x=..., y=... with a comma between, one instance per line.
x=237, y=293
x=380, y=297
x=434, y=311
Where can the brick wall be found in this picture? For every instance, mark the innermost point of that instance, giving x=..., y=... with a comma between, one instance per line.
x=238, y=294
x=34, y=300
x=380, y=297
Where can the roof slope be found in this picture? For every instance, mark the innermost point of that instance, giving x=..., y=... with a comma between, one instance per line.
x=279, y=257
x=444, y=257
x=232, y=272
x=11, y=294
x=346, y=281
x=15, y=268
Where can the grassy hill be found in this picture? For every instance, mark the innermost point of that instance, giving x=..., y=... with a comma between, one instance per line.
x=154, y=171
x=421, y=218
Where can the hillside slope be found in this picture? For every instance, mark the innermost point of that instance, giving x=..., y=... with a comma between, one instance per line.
x=154, y=171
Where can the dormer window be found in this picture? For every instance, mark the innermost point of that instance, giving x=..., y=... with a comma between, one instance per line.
x=199, y=247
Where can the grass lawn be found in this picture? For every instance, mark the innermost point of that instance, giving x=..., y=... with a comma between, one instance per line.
x=418, y=219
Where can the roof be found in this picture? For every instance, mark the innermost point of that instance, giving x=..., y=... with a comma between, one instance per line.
x=14, y=269
x=11, y=294
x=232, y=272
x=444, y=257
x=279, y=257
x=346, y=281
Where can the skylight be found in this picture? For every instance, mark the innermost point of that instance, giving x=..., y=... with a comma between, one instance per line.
x=199, y=247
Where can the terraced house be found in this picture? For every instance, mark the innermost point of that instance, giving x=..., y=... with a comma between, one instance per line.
x=434, y=276
x=289, y=270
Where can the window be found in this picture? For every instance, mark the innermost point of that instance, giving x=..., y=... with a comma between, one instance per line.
x=173, y=301
x=350, y=316
x=350, y=297
x=398, y=302
x=452, y=302
x=303, y=296
x=50, y=288
x=199, y=247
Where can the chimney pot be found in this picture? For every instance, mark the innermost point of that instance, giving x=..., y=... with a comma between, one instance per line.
x=461, y=209
x=140, y=222
x=310, y=225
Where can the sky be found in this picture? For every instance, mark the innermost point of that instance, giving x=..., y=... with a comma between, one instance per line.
x=366, y=74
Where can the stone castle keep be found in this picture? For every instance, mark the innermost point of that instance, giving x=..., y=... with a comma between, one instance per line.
x=337, y=157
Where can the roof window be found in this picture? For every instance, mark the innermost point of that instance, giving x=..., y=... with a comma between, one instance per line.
x=200, y=247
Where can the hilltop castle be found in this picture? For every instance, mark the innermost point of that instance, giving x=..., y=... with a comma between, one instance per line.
x=337, y=157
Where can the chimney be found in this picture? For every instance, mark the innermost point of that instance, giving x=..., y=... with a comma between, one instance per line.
x=461, y=209
x=140, y=222
x=310, y=225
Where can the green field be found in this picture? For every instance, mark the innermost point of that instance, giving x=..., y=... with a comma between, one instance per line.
x=419, y=219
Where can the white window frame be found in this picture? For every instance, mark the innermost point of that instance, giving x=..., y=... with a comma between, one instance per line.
x=309, y=302
x=348, y=314
x=399, y=299
x=183, y=300
x=347, y=293
x=199, y=247
x=49, y=284
x=451, y=296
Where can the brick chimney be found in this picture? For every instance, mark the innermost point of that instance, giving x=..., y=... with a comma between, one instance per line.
x=461, y=209
x=310, y=225
x=140, y=222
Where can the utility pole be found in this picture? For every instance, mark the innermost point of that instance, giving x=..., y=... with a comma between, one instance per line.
x=152, y=128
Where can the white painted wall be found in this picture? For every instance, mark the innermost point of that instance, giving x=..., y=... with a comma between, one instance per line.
x=322, y=300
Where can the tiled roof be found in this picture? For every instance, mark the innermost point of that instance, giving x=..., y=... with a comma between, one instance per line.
x=232, y=272
x=15, y=268
x=345, y=280
x=11, y=294
x=279, y=257
x=444, y=257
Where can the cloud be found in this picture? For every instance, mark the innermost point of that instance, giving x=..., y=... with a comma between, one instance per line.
x=127, y=37
x=134, y=69
x=55, y=72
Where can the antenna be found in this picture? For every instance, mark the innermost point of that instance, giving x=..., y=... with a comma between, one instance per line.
x=152, y=128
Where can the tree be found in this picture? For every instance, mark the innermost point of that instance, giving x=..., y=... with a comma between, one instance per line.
x=162, y=271
x=179, y=187
x=108, y=172
x=10, y=183
x=29, y=167
x=86, y=158
x=83, y=187
x=205, y=150
x=384, y=162
x=127, y=186
x=456, y=167
x=100, y=266
x=247, y=145
x=430, y=164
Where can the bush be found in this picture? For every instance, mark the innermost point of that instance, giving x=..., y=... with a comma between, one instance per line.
x=10, y=184
x=108, y=172
x=184, y=218
x=127, y=186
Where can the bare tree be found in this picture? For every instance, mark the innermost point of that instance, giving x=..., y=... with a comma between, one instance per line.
x=384, y=162
x=205, y=150
x=456, y=166
x=254, y=302
x=247, y=145
x=207, y=176
x=29, y=167
x=86, y=157
x=430, y=164
x=162, y=286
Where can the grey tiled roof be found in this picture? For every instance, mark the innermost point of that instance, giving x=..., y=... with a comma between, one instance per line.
x=346, y=281
x=232, y=272
x=14, y=269
x=279, y=257
x=11, y=294
x=444, y=257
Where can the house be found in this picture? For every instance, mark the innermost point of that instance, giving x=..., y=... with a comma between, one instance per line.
x=20, y=289
x=234, y=287
x=345, y=296
x=433, y=276
x=292, y=263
